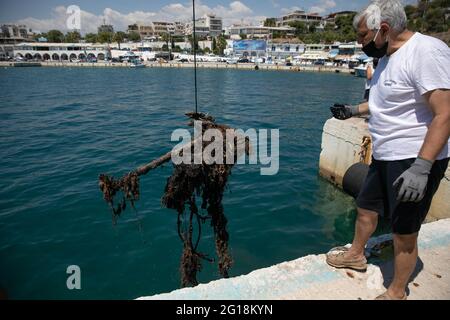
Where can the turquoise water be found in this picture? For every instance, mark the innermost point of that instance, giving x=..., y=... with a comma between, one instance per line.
x=60, y=128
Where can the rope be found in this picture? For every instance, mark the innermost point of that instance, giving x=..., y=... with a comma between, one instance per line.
x=364, y=153
x=195, y=56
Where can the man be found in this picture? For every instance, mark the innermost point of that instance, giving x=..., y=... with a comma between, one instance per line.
x=409, y=105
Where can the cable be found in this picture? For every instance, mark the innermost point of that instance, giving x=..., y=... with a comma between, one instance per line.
x=195, y=56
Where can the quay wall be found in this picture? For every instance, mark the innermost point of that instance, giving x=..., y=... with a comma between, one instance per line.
x=200, y=65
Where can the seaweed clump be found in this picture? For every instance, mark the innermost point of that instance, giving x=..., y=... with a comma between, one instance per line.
x=188, y=184
x=128, y=185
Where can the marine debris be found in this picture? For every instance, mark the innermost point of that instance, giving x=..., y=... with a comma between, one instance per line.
x=194, y=191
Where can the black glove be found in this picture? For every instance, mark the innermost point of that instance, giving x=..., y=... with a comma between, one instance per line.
x=343, y=111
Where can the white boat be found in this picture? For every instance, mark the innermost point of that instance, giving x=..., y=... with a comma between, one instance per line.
x=136, y=64
x=361, y=71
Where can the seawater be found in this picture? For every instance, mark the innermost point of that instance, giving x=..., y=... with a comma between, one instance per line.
x=61, y=127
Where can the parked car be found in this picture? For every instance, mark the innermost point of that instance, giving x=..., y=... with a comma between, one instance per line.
x=243, y=60
x=232, y=61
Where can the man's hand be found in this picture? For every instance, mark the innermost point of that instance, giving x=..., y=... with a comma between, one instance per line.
x=343, y=111
x=412, y=183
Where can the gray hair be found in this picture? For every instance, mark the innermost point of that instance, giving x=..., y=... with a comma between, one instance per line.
x=390, y=11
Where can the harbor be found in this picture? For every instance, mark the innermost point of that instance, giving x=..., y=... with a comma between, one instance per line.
x=223, y=150
x=71, y=124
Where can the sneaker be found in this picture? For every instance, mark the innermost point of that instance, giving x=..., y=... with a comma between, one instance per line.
x=337, y=260
x=386, y=296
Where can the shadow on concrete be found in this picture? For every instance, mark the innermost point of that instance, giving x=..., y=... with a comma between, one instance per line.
x=387, y=270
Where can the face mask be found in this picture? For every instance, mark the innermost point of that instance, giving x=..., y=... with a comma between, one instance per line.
x=372, y=51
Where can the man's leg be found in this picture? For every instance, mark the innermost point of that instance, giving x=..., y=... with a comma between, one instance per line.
x=365, y=226
x=405, y=251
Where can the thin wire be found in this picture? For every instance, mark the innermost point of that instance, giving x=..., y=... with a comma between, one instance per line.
x=195, y=56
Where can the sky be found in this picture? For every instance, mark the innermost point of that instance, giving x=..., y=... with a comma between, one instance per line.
x=44, y=15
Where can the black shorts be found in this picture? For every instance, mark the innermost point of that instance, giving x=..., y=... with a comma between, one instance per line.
x=377, y=194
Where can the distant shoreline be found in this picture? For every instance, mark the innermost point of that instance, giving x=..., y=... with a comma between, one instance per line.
x=178, y=65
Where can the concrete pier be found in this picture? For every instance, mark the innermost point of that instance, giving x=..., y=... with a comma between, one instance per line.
x=179, y=65
x=342, y=143
x=310, y=278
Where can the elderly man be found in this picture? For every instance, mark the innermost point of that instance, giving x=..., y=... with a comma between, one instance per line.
x=409, y=106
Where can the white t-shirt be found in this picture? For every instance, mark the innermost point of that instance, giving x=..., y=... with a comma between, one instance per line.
x=400, y=116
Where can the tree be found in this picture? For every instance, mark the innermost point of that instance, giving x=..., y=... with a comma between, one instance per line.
x=55, y=36
x=411, y=12
x=348, y=33
x=345, y=21
x=422, y=7
x=276, y=34
x=329, y=27
x=105, y=37
x=243, y=36
x=312, y=28
x=270, y=22
x=214, y=46
x=207, y=50
x=72, y=37
x=428, y=16
x=91, y=37
x=119, y=37
x=300, y=27
x=177, y=39
x=166, y=38
x=435, y=18
x=311, y=38
x=176, y=49
x=134, y=36
x=221, y=44
x=191, y=41
x=329, y=36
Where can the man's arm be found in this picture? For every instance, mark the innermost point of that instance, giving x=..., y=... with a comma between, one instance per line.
x=413, y=182
x=439, y=130
x=344, y=111
x=363, y=108
x=369, y=71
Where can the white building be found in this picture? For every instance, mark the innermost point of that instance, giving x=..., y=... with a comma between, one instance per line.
x=316, y=52
x=156, y=29
x=209, y=25
x=12, y=34
x=61, y=51
x=215, y=25
x=257, y=32
x=349, y=52
x=299, y=16
x=284, y=49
